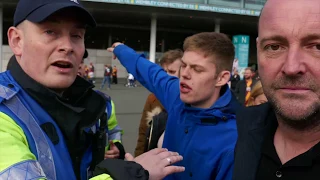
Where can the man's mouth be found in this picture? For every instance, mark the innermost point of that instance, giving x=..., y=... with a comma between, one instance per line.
x=294, y=88
x=63, y=64
x=184, y=88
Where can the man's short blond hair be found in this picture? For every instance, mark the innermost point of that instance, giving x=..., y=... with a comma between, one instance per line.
x=171, y=56
x=216, y=45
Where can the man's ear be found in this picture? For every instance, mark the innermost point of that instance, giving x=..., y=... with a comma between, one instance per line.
x=15, y=39
x=223, y=78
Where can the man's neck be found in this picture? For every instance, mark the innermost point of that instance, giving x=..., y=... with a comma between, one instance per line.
x=290, y=143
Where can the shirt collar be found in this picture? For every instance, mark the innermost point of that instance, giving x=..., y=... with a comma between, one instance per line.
x=268, y=148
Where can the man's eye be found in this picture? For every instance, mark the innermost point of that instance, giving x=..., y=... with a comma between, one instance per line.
x=273, y=47
x=49, y=32
x=77, y=36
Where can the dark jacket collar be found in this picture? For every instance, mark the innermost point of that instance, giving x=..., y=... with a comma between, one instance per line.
x=225, y=105
x=253, y=124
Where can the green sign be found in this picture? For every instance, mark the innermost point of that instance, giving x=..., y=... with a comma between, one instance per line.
x=182, y=5
x=241, y=44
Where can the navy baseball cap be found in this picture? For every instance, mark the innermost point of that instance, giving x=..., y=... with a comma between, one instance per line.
x=38, y=10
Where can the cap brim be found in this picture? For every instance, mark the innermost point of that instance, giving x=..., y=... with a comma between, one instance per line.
x=43, y=12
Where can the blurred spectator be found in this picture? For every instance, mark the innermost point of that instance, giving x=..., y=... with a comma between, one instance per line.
x=257, y=96
x=244, y=87
x=154, y=113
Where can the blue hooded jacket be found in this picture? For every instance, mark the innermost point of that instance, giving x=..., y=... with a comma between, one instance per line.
x=205, y=138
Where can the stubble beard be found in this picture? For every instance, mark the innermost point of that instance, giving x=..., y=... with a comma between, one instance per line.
x=308, y=121
x=291, y=109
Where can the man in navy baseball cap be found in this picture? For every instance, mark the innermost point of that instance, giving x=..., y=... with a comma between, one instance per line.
x=38, y=10
x=48, y=42
x=53, y=123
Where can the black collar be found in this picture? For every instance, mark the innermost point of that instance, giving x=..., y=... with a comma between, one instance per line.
x=305, y=159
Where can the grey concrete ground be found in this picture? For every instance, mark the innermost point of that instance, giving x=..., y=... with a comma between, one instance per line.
x=129, y=104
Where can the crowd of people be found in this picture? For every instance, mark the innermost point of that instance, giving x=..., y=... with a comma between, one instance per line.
x=55, y=125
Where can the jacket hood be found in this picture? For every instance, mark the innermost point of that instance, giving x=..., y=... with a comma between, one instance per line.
x=156, y=111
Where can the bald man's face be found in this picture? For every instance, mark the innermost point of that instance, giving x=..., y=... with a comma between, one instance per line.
x=289, y=57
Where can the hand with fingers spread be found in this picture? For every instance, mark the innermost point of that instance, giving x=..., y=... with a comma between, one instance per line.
x=113, y=152
x=110, y=49
x=158, y=162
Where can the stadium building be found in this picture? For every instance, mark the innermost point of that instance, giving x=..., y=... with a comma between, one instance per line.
x=155, y=26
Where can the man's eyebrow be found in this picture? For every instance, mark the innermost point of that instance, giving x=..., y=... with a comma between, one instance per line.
x=310, y=37
x=274, y=38
x=192, y=65
x=196, y=66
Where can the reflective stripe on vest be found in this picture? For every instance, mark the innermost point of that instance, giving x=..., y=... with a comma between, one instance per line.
x=115, y=133
x=23, y=170
x=44, y=153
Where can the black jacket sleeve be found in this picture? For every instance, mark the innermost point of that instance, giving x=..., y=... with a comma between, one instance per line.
x=121, y=149
x=121, y=170
x=158, y=126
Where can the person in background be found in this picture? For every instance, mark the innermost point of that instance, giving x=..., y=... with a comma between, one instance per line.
x=131, y=80
x=114, y=148
x=115, y=75
x=91, y=67
x=91, y=74
x=107, y=77
x=235, y=78
x=154, y=113
x=244, y=87
x=235, y=66
x=257, y=96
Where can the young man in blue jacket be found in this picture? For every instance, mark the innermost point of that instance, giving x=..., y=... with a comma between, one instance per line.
x=201, y=124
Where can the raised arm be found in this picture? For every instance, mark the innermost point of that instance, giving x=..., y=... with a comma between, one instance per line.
x=150, y=75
